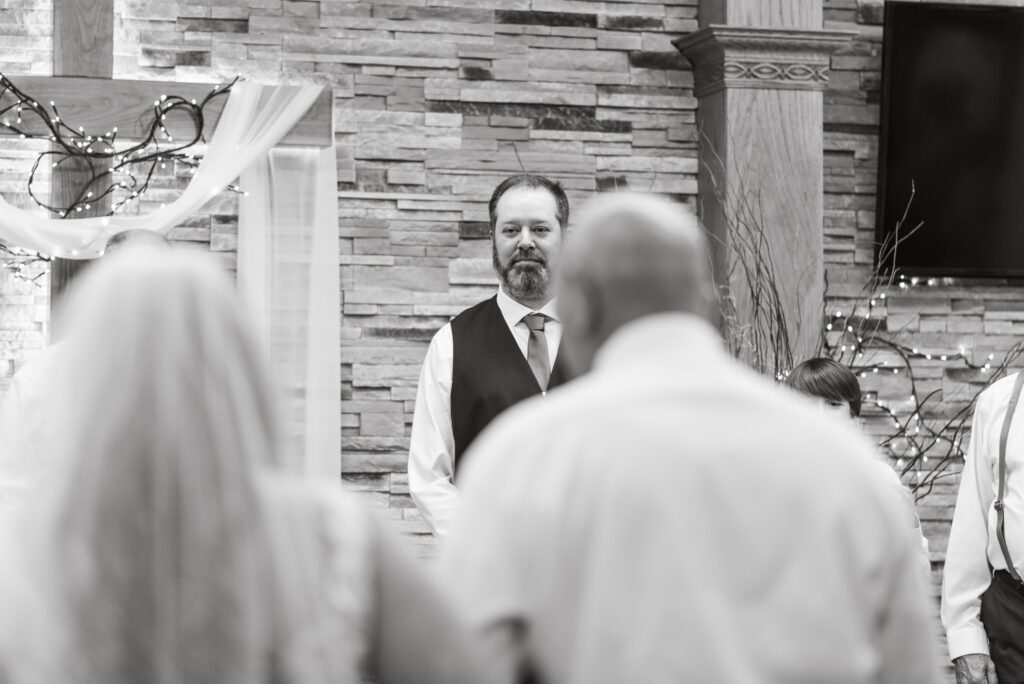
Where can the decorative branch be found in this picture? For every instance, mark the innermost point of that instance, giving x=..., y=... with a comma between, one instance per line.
x=923, y=446
x=752, y=316
x=128, y=169
x=920, y=445
x=24, y=264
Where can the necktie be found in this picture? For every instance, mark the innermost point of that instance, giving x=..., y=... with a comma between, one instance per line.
x=537, y=349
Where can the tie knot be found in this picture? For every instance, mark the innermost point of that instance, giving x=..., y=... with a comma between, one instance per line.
x=535, y=321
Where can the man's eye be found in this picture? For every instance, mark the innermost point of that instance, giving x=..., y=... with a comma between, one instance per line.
x=541, y=229
x=510, y=230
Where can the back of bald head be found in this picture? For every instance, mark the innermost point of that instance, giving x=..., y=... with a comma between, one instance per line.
x=135, y=237
x=639, y=254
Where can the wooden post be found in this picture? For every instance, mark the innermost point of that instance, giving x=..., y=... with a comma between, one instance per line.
x=760, y=67
x=83, y=45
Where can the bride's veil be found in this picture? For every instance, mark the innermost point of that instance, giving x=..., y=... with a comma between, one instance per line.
x=146, y=542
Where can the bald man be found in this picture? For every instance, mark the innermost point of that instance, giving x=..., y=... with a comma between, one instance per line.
x=672, y=516
x=23, y=426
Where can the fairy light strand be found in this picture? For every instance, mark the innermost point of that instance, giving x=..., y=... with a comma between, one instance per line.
x=131, y=168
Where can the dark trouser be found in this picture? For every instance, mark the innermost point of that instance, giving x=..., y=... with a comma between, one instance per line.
x=1002, y=612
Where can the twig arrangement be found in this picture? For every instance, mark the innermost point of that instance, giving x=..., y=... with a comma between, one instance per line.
x=129, y=169
x=122, y=172
x=751, y=312
x=923, y=442
x=926, y=433
x=24, y=264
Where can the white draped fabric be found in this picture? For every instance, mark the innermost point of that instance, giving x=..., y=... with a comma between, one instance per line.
x=288, y=253
x=288, y=270
x=255, y=118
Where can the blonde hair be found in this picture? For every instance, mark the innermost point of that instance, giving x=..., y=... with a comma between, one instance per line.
x=149, y=534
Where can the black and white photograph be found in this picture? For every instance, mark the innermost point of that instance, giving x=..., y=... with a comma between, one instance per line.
x=511, y=341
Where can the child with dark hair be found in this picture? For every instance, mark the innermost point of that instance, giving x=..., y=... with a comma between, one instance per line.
x=833, y=382
x=837, y=386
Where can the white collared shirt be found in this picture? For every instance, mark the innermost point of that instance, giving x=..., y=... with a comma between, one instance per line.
x=973, y=546
x=432, y=444
x=675, y=517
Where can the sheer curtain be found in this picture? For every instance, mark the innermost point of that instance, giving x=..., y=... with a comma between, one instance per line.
x=255, y=118
x=288, y=270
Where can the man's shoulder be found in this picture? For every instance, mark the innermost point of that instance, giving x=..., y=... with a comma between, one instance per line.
x=998, y=393
x=442, y=340
x=476, y=312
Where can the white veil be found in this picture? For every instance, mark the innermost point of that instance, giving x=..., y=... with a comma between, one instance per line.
x=147, y=546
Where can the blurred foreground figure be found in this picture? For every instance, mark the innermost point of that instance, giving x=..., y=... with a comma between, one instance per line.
x=673, y=517
x=982, y=591
x=23, y=421
x=838, y=389
x=161, y=546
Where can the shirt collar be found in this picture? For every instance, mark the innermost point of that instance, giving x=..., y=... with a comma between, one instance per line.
x=675, y=334
x=513, y=312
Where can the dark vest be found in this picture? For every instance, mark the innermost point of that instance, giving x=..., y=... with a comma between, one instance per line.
x=489, y=374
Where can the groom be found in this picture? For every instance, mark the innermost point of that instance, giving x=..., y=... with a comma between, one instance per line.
x=494, y=354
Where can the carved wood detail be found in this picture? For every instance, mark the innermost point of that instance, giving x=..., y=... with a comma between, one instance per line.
x=748, y=57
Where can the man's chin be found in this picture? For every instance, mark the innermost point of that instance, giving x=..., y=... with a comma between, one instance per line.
x=527, y=285
x=529, y=266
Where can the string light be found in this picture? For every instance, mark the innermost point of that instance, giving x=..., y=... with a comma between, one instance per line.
x=75, y=142
x=924, y=444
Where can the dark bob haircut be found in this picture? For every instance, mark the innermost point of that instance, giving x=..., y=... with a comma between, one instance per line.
x=529, y=180
x=828, y=380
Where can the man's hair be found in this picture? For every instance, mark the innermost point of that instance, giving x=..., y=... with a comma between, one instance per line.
x=142, y=235
x=827, y=379
x=529, y=180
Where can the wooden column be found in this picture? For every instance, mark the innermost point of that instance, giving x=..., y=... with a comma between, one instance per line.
x=83, y=40
x=760, y=67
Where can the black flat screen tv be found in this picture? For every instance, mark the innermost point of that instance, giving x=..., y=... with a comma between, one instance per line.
x=952, y=127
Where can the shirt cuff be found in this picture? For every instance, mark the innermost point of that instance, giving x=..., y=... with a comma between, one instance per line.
x=967, y=640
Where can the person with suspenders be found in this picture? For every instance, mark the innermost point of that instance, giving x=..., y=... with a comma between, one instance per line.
x=982, y=592
x=495, y=354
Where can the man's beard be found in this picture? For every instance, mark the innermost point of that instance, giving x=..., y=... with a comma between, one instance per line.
x=526, y=275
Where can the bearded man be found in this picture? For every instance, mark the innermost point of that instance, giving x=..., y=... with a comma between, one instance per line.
x=494, y=354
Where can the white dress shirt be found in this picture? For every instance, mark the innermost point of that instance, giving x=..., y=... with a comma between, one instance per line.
x=432, y=444
x=674, y=517
x=906, y=499
x=973, y=546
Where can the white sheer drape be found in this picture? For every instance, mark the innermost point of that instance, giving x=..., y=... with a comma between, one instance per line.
x=255, y=118
x=288, y=270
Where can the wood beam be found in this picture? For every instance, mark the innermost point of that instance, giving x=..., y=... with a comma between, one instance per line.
x=83, y=38
x=83, y=45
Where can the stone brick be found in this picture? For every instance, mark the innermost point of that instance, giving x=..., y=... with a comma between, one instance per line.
x=673, y=60
x=546, y=18
x=204, y=25
x=870, y=11
x=381, y=424
x=403, y=278
x=619, y=40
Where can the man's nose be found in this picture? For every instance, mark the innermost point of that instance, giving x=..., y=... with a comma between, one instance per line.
x=525, y=238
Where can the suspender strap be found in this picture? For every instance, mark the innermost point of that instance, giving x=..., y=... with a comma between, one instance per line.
x=1007, y=419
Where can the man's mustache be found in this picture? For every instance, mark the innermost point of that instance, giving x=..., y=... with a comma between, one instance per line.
x=528, y=256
